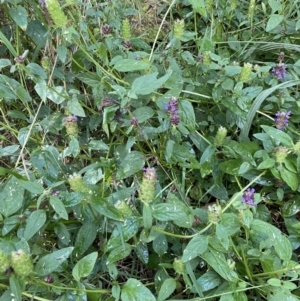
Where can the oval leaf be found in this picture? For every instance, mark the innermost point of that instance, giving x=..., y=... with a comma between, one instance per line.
x=84, y=266
x=51, y=262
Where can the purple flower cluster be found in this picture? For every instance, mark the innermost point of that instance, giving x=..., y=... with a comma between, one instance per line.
x=134, y=121
x=172, y=108
x=42, y=3
x=282, y=119
x=279, y=71
x=71, y=119
x=248, y=197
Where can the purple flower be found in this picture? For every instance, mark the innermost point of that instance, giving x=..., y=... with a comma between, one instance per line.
x=279, y=71
x=172, y=108
x=71, y=119
x=282, y=119
x=42, y=3
x=175, y=119
x=134, y=121
x=248, y=197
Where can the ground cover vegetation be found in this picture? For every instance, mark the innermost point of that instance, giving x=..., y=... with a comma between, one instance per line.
x=149, y=150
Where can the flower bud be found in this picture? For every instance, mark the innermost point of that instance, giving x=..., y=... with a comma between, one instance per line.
x=57, y=14
x=296, y=148
x=126, y=32
x=4, y=261
x=209, y=6
x=77, y=184
x=45, y=62
x=245, y=75
x=147, y=188
x=220, y=136
x=214, y=212
x=251, y=11
x=178, y=266
x=71, y=125
x=231, y=264
x=123, y=209
x=21, y=263
x=233, y=4
x=280, y=153
x=206, y=58
x=178, y=29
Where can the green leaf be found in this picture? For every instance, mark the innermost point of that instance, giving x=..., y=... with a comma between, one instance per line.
x=143, y=113
x=132, y=163
x=49, y=263
x=104, y=207
x=97, y=145
x=11, y=197
x=59, y=207
x=62, y=233
x=291, y=207
x=8, y=150
x=33, y=187
x=278, y=135
x=85, y=237
x=209, y=280
x=147, y=216
x=274, y=21
x=266, y=164
x=218, y=262
x=166, y=289
x=75, y=107
x=126, y=65
x=195, y=247
x=34, y=223
x=222, y=235
x=84, y=266
x=41, y=89
x=290, y=178
x=45, y=161
x=119, y=253
x=16, y=288
x=123, y=233
x=147, y=84
x=160, y=244
x=56, y=94
x=142, y=252
x=257, y=103
x=91, y=79
x=187, y=114
x=199, y=7
x=37, y=32
x=134, y=290
x=4, y=63
x=231, y=166
x=62, y=52
x=19, y=15
x=261, y=231
x=174, y=210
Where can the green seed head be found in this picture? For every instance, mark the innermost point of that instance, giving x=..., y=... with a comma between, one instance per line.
x=220, y=136
x=124, y=209
x=77, y=184
x=58, y=16
x=178, y=266
x=214, y=212
x=246, y=72
x=178, y=29
x=206, y=58
x=297, y=148
x=21, y=263
x=280, y=153
x=4, y=261
x=147, y=188
x=126, y=31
